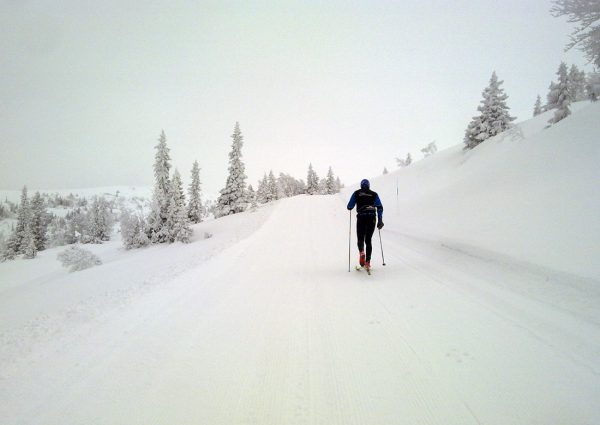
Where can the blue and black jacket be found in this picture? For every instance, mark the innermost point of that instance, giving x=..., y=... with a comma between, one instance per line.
x=367, y=203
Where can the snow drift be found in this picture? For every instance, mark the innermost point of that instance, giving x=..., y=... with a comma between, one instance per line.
x=531, y=193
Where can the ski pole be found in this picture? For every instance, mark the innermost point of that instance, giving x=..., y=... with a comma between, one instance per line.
x=349, y=237
x=381, y=244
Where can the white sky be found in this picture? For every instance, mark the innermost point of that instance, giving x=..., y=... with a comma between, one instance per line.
x=87, y=86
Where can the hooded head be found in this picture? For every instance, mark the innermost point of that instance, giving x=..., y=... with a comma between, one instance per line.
x=364, y=184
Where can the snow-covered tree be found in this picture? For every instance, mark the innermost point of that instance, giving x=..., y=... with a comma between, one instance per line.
x=576, y=82
x=429, y=150
x=404, y=162
x=178, y=222
x=272, y=189
x=330, y=188
x=338, y=184
x=194, y=209
x=312, y=181
x=551, y=97
x=494, y=117
x=537, y=108
x=157, y=220
x=233, y=196
x=22, y=240
x=28, y=244
x=586, y=35
x=261, y=192
x=562, y=95
x=133, y=230
x=592, y=86
x=385, y=170
x=252, y=198
x=99, y=221
x=9, y=250
x=23, y=223
x=39, y=221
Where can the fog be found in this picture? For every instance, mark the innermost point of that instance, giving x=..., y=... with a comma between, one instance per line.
x=87, y=87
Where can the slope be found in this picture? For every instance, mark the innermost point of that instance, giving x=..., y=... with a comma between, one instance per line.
x=531, y=194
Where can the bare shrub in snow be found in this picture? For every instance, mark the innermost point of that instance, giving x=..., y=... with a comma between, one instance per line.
x=76, y=258
x=404, y=162
x=429, y=150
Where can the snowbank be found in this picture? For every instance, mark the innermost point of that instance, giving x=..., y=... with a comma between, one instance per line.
x=532, y=193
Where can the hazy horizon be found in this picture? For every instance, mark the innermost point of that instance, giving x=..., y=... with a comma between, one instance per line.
x=87, y=89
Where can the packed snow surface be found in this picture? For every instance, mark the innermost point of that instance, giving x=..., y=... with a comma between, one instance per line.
x=475, y=319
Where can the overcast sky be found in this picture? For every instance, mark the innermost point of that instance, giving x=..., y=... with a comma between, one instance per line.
x=87, y=86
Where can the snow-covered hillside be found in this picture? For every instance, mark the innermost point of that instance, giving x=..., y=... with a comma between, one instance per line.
x=107, y=191
x=476, y=318
x=532, y=194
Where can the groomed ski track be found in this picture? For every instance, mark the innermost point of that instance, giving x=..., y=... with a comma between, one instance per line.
x=275, y=330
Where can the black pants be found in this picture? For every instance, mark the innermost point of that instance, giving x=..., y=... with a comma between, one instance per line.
x=365, y=226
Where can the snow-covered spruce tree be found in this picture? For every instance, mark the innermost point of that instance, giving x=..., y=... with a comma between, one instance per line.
x=385, y=170
x=133, y=230
x=178, y=222
x=28, y=244
x=330, y=188
x=9, y=251
x=157, y=220
x=551, y=97
x=586, y=35
x=23, y=222
x=77, y=226
x=195, y=209
x=99, y=221
x=576, y=81
x=272, y=192
x=233, y=197
x=252, y=198
x=494, y=118
x=562, y=95
x=39, y=221
x=312, y=181
x=261, y=191
x=537, y=108
x=338, y=184
x=22, y=239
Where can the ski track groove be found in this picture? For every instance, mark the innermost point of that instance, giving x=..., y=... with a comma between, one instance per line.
x=486, y=298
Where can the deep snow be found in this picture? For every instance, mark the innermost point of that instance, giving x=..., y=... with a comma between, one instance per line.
x=532, y=193
x=476, y=319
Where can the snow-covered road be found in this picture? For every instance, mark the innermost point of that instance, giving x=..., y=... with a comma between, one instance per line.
x=274, y=330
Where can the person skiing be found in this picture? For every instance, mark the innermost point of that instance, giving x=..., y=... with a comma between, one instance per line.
x=368, y=206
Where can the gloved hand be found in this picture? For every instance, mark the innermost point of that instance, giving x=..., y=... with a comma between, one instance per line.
x=380, y=225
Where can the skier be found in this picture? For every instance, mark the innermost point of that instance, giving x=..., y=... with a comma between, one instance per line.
x=368, y=205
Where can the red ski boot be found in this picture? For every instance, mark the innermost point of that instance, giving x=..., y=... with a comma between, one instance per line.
x=361, y=259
